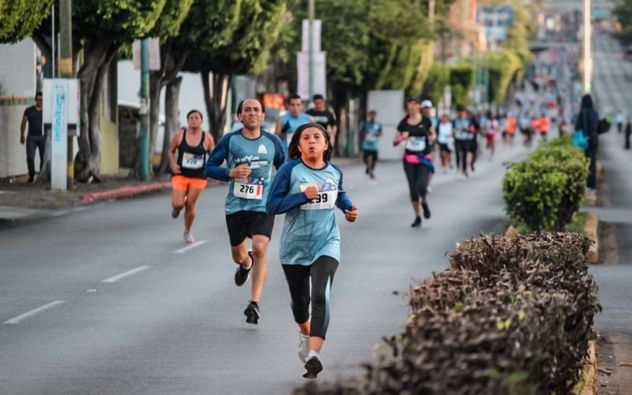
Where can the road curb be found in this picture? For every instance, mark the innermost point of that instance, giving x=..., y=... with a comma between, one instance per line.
x=124, y=192
x=590, y=227
x=587, y=384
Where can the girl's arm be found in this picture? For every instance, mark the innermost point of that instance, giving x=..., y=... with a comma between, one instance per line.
x=279, y=199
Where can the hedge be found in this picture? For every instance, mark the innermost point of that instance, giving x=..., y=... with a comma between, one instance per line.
x=507, y=317
x=546, y=190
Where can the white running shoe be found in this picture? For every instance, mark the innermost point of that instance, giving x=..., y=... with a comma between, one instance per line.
x=303, y=346
x=188, y=238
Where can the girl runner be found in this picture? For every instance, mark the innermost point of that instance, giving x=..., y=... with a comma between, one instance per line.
x=415, y=130
x=307, y=189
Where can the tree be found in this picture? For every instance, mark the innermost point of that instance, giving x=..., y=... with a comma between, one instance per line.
x=18, y=19
x=100, y=27
x=172, y=58
x=623, y=12
x=244, y=51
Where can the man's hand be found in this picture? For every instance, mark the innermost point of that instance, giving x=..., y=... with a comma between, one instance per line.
x=311, y=192
x=352, y=214
x=22, y=139
x=241, y=171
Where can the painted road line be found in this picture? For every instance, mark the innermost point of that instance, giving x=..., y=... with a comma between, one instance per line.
x=189, y=248
x=126, y=274
x=26, y=315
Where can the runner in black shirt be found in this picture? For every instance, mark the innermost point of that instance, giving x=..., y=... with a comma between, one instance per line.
x=323, y=116
x=415, y=131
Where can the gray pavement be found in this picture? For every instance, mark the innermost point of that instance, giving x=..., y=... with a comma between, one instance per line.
x=612, y=84
x=106, y=301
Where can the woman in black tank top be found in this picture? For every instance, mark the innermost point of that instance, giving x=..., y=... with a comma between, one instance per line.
x=188, y=180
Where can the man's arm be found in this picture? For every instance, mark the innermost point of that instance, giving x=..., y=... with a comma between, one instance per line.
x=22, y=127
x=175, y=141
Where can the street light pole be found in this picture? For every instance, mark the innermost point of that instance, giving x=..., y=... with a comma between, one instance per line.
x=66, y=70
x=144, y=110
x=311, y=48
x=588, y=65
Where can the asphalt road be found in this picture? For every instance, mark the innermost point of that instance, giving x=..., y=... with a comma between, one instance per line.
x=612, y=84
x=105, y=301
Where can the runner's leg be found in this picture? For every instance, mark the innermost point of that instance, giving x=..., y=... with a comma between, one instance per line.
x=189, y=211
x=322, y=276
x=260, y=269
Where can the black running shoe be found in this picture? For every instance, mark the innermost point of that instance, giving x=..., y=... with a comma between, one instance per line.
x=417, y=222
x=252, y=313
x=242, y=274
x=175, y=212
x=426, y=209
x=313, y=366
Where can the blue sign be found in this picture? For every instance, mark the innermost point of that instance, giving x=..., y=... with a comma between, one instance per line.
x=495, y=16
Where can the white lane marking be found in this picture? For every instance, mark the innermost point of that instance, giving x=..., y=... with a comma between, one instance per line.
x=192, y=246
x=60, y=213
x=114, y=279
x=26, y=315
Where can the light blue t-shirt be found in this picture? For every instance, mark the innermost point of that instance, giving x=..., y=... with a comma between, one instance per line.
x=289, y=124
x=260, y=154
x=371, y=134
x=310, y=230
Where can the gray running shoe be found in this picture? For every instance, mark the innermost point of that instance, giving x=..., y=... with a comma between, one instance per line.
x=303, y=346
x=188, y=238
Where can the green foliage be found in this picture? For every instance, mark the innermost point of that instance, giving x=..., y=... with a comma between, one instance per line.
x=115, y=20
x=504, y=67
x=461, y=83
x=623, y=12
x=171, y=18
x=438, y=79
x=546, y=190
x=423, y=68
x=236, y=37
x=19, y=18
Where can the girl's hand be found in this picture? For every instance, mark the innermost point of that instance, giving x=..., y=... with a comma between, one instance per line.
x=352, y=214
x=311, y=192
x=175, y=169
x=398, y=139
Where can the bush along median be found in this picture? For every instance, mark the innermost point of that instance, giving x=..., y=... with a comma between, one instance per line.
x=510, y=316
x=546, y=190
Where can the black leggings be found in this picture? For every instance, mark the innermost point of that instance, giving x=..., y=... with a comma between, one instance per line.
x=321, y=273
x=417, y=176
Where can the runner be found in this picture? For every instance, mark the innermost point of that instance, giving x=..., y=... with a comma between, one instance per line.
x=250, y=154
x=322, y=116
x=511, y=129
x=464, y=139
x=619, y=119
x=188, y=179
x=308, y=189
x=543, y=124
x=291, y=120
x=525, y=128
x=371, y=132
x=491, y=131
x=445, y=139
x=416, y=131
x=474, y=130
x=426, y=111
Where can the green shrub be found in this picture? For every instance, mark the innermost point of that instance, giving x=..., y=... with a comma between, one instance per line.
x=438, y=80
x=546, y=190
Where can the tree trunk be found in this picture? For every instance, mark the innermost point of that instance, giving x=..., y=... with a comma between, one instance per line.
x=216, y=100
x=97, y=60
x=172, y=96
x=172, y=59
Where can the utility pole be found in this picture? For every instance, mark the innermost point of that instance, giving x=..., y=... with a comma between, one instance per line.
x=144, y=110
x=311, y=47
x=66, y=70
x=431, y=12
x=588, y=64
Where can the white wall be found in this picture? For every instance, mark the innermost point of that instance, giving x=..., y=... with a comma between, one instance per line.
x=17, y=77
x=191, y=93
x=390, y=110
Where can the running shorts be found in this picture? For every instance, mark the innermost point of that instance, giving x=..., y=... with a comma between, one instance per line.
x=369, y=154
x=244, y=224
x=184, y=183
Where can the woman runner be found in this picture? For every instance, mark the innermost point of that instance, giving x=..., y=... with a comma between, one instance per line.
x=188, y=180
x=307, y=189
x=415, y=131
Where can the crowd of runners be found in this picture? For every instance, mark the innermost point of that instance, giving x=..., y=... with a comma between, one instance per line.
x=289, y=171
